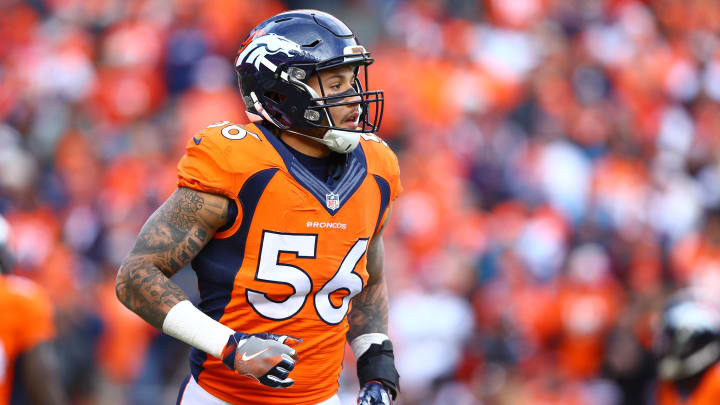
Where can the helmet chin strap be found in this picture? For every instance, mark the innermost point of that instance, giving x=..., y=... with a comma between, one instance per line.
x=336, y=140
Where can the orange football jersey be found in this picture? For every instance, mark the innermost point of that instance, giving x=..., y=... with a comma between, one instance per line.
x=294, y=256
x=26, y=320
x=706, y=393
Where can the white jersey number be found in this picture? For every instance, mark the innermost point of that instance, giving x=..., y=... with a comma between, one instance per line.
x=304, y=246
x=374, y=138
x=234, y=132
x=344, y=279
x=270, y=270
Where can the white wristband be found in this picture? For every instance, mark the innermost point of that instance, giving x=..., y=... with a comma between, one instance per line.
x=361, y=343
x=190, y=325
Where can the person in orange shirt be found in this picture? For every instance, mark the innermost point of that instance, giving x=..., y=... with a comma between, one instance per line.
x=282, y=222
x=689, y=370
x=26, y=327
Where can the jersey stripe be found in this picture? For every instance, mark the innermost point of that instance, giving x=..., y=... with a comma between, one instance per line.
x=218, y=263
x=384, y=198
x=352, y=177
x=182, y=390
x=232, y=216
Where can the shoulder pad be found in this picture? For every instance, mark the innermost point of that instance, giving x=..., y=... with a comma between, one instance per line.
x=218, y=158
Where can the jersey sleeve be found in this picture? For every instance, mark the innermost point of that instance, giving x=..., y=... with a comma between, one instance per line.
x=205, y=168
x=394, y=177
x=395, y=184
x=389, y=169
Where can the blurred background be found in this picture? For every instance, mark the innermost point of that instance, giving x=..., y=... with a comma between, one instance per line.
x=560, y=158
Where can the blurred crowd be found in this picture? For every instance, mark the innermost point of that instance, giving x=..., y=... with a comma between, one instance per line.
x=560, y=158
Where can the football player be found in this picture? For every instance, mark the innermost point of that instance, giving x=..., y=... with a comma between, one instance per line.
x=690, y=349
x=282, y=222
x=25, y=332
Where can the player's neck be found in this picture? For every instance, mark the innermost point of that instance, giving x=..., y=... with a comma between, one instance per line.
x=304, y=145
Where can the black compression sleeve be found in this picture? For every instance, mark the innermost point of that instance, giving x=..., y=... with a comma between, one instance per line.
x=378, y=364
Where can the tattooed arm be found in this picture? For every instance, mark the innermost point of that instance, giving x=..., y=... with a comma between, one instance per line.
x=367, y=334
x=369, y=312
x=169, y=240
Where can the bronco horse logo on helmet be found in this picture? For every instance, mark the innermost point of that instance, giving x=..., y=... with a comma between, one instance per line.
x=268, y=44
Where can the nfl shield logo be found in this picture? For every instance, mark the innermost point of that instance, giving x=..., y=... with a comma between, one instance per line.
x=332, y=201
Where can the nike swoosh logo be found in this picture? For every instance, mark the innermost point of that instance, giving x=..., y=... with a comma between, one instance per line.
x=197, y=141
x=245, y=357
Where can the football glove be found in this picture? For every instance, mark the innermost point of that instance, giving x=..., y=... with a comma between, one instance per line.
x=374, y=393
x=265, y=357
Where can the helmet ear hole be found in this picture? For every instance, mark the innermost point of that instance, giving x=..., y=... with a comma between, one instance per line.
x=273, y=106
x=276, y=97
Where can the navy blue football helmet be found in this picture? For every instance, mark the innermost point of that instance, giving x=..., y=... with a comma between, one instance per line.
x=281, y=53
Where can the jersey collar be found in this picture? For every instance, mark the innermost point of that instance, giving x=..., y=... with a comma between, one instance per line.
x=332, y=198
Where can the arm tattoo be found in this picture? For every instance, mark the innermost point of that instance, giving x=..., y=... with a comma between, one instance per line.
x=169, y=240
x=369, y=312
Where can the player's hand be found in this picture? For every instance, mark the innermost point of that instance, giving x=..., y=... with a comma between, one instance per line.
x=265, y=357
x=374, y=393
